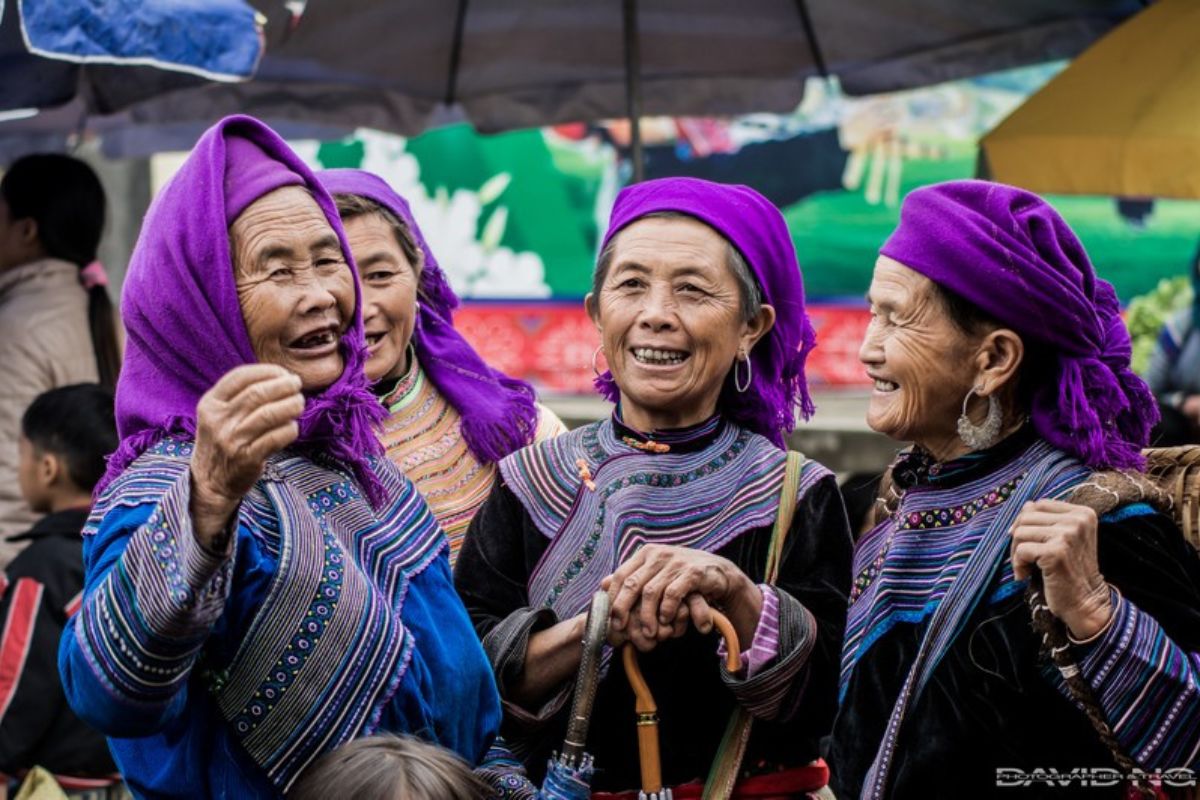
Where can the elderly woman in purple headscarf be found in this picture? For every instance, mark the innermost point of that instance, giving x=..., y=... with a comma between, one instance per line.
x=997, y=351
x=450, y=416
x=670, y=506
x=262, y=584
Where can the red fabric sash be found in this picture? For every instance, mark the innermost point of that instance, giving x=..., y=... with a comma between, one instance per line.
x=787, y=784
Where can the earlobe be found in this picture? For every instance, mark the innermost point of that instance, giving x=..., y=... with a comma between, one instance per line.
x=754, y=330
x=48, y=469
x=592, y=308
x=29, y=231
x=1000, y=358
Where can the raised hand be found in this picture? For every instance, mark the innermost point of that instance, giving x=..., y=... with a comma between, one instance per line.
x=1059, y=539
x=248, y=416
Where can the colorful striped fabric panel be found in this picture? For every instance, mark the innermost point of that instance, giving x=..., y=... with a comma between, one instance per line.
x=703, y=499
x=142, y=628
x=905, y=565
x=423, y=437
x=328, y=629
x=1148, y=687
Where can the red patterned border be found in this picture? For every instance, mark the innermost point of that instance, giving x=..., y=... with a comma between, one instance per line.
x=551, y=344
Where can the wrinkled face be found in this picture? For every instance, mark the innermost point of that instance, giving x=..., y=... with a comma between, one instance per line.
x=33, y=486
x=669, y=317
x=294, y=285
x=919, y=360
x=389, y=291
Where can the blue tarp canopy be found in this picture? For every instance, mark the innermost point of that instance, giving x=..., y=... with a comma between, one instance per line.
x=112, y=53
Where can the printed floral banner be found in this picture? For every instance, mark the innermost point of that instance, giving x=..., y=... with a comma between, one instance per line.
x=551, y=343
x=516, y=217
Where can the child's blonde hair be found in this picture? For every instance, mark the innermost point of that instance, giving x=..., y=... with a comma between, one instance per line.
x=389, y=767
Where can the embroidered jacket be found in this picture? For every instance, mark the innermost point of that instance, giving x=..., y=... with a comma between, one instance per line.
x=225, y=675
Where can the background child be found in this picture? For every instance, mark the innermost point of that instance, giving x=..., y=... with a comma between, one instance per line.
x=65, y=435
x=389, y=768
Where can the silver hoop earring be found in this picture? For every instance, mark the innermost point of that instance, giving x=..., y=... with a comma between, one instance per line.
x=980, y=437
x=737, y=382
x=596, y=352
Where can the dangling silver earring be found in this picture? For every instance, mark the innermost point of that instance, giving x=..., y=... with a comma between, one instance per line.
x=596, y=352
x=980, y=437
x=737, y=383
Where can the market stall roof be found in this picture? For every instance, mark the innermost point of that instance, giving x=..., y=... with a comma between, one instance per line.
x=1123, y=119
x=406, y=65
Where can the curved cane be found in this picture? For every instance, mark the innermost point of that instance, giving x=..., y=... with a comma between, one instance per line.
x=594, y=635
x=647, y=710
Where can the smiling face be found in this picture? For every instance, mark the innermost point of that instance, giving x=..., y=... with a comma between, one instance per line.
x=389, y=290
x=294, y=285
x=669, y=315
x=921, y=363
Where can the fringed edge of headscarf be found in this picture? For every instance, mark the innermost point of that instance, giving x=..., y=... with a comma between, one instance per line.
x=351, y=408
x=1100, y=415
x=132, y=447
x=509, y=420
x=489, y=440
x=768, y=406
x=1098, y=409
x=322, y=420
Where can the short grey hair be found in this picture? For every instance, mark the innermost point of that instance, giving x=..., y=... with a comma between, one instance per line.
x=749, y=292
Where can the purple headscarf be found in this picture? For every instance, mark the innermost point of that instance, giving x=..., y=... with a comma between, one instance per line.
x=756, y=228
x=182, y=316
x=1009, y=253
x=498, y=412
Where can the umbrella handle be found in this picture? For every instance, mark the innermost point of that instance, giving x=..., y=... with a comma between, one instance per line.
x=647, y=710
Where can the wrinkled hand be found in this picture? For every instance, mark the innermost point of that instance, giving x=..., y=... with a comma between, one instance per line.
x=248, y=416
x=661, y=588
x=1059, y=539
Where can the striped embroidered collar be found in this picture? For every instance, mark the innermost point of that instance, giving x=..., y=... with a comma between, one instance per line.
x=916, y=467
x=674, y=440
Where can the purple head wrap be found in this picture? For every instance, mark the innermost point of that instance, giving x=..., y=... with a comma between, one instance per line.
x=1010, y=254
x=498, y=413
x=182, y=317
x=756, y=228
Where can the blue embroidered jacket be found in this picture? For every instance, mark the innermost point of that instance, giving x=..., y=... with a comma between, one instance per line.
x=226, y=675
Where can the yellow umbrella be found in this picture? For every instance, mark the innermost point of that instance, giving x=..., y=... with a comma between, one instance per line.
x=1122, y=119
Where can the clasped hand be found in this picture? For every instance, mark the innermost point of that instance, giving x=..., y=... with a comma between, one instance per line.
x=662, y=588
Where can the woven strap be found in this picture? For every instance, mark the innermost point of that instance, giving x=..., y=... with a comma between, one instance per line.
x=728, y=762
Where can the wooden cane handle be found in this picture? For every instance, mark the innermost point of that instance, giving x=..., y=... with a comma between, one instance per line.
x=649, y=758
x=733, y=658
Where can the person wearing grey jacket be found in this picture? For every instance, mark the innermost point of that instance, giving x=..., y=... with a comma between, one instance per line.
x=56, y=319
x=1174, y=373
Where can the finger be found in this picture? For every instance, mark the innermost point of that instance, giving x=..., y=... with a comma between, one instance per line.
x=273, y=441
x=616, y=638
x=1029, y=556
x=643, y=643
x=272, y=415
x=623, y=570
x=1041, y=517
x=626, y=593
x=674, y=596
x=1033, y=533
x=238, y=378
x=1053, y=506
x=649, y=615
x=679, y=626
x=700, y=612
x=260, y=393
